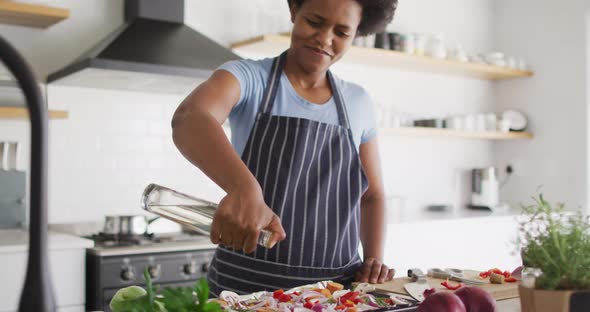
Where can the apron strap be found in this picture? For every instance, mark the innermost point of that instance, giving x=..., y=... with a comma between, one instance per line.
x=340, y=107
x=274, y=81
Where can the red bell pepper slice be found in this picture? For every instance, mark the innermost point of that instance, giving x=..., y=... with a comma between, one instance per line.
x=277, y=293
x=510, y=279
x=451, y=287
x=285, y=298
x=485, y=274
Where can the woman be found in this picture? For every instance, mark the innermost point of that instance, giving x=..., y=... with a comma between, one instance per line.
x=309, y=170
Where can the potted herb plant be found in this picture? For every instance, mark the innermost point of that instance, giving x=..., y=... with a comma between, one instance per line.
x=555, y=249
x=137, y=299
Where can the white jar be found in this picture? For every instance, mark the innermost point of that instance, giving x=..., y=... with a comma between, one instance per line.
x=409, y=43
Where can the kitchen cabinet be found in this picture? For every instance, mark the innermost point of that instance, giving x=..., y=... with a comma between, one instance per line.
x=275, y=44
x=23, y=113
x=67, y=256
x=31, y=15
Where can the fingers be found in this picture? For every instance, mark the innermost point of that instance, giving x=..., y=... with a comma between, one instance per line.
x=251, y=241
x=390, y=275
x=278, y=232
x=375, y=271
x=365, y=270
x=215, y=230
x=227, y=235
x=238, y=241
x=383, y=274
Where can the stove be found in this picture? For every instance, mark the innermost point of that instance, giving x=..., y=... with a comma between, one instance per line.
x=172, y=260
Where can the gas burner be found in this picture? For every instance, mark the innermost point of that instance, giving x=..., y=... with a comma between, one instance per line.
x=117, y=240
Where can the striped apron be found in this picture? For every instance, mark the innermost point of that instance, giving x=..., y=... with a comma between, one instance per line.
x=311, y=176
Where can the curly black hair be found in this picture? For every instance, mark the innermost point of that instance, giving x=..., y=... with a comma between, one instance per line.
x=376, y=14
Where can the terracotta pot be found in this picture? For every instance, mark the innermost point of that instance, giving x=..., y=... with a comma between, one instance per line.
x=538, y=300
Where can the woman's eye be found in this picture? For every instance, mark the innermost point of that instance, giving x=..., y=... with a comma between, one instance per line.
x=342, y=34
x=313, y=23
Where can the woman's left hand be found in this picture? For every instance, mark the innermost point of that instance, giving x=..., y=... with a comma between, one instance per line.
x=374, y=271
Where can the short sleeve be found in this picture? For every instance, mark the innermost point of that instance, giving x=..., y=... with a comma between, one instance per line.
x=245, y=72
x=370, y=121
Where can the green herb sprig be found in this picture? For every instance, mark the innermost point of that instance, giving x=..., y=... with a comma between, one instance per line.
x=180, y=299
x=558, y=243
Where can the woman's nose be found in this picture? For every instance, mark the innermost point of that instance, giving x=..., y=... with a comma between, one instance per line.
x=325, y=37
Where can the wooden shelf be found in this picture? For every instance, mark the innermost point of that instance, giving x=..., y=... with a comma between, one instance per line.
x=21, y=113
x=33, y=15
x=450, y=133
x=275, y=44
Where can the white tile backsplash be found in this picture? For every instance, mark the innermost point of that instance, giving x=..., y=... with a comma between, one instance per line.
x=116, y=142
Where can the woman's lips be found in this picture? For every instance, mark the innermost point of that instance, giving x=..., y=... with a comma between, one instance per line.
x=319, y=52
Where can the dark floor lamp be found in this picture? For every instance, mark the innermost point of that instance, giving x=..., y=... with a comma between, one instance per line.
x=37, y=292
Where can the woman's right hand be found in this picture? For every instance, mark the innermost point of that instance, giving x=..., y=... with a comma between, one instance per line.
x=239, y=218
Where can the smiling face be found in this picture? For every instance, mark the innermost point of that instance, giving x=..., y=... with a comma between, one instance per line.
x=323, y=31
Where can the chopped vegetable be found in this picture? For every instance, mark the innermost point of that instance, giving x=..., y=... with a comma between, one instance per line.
x=497, y=278
x=451, y=287
x=429, y=292
x=277, y=293
x=510, y=280
x=332, y=286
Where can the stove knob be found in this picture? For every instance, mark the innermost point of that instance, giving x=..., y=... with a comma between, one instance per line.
x=189, y=268
x=155, y=270
x=127, y=274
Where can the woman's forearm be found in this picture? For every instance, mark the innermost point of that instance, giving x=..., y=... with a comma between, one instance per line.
x=201, y=139
x=373, y=226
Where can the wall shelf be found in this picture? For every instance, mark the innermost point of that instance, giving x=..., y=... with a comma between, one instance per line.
x=275, y=44
x=22, y=113
x=33, y=15
x=450, y=133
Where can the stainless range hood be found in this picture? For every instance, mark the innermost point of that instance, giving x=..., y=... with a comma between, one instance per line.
x=154, y=51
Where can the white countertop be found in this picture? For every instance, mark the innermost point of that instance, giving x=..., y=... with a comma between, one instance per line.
x=16, y=240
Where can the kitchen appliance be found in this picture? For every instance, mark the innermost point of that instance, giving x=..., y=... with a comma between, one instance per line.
x=172, y=260
x=484, y=188
x=12, y=187
x=189, y=211
x=153, y=51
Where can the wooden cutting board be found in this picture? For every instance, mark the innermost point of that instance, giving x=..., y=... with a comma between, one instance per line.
x=498, y=291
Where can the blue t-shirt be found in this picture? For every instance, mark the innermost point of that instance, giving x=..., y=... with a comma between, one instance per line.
x=253, y=78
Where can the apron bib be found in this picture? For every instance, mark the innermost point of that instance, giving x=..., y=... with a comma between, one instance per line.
x=312, y=178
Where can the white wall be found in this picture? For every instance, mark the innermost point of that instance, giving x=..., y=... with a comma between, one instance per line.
x=554, y=43
x=115, y=142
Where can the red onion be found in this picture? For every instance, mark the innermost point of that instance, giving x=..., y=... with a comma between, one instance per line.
x=442, y=302
x=517, y=273
x=476, y=299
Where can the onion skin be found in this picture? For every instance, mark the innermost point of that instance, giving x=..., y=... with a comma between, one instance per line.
x=476, y=299
x=442, y=302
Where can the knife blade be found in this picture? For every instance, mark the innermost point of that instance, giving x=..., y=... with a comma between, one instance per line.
x=416, y=289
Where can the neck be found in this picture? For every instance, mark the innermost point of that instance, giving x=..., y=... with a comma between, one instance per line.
x=301, y=78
